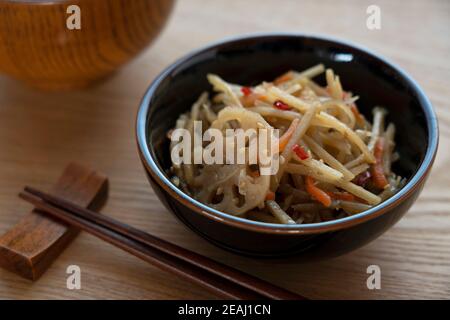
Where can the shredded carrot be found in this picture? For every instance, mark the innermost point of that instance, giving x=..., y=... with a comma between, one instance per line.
x=283, y=78
x=359, y=117
x=354, y=109
x=284, y=139
x=270, y=195
x=317, y=193
x=249, y=99
x=264, y=98
x=378, y=177
x=345, y=196
x=341, y=196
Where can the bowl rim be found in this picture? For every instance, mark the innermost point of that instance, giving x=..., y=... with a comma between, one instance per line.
x=174, y=192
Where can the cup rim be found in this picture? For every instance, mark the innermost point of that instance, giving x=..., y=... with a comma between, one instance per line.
x=174, y=192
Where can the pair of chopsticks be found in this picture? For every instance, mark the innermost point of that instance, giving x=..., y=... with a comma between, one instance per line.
x=222, y=280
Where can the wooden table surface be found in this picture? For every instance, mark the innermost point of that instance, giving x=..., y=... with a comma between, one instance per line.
x=41, y=132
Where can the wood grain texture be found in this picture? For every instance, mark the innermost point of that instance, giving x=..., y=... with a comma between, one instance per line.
x=37, y=47
x=29, y=247
x=40, y=133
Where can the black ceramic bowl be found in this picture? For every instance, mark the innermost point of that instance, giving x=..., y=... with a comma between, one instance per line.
x=249, y=60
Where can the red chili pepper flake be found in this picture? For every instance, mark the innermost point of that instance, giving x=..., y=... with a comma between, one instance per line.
x=246, y=91
x=300, y=152
x=281, y=105
x=362, y=178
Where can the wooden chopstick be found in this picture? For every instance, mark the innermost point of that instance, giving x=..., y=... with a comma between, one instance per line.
x=147, y=253
x=223, y=280
x=234, y=275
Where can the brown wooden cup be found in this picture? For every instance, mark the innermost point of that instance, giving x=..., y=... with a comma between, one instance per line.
x=38, y=47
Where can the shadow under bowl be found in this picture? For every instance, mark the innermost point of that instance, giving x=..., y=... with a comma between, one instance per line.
x=248, y=60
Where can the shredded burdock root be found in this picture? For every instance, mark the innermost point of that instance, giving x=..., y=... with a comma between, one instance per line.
x=333, y=162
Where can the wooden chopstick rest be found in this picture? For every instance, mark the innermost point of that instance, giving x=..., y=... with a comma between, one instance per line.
x=36, y=240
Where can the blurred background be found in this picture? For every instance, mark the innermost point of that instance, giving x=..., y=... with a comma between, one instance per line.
x=41, y=131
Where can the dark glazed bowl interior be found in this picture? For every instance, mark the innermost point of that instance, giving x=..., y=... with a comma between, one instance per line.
x=250, y=60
